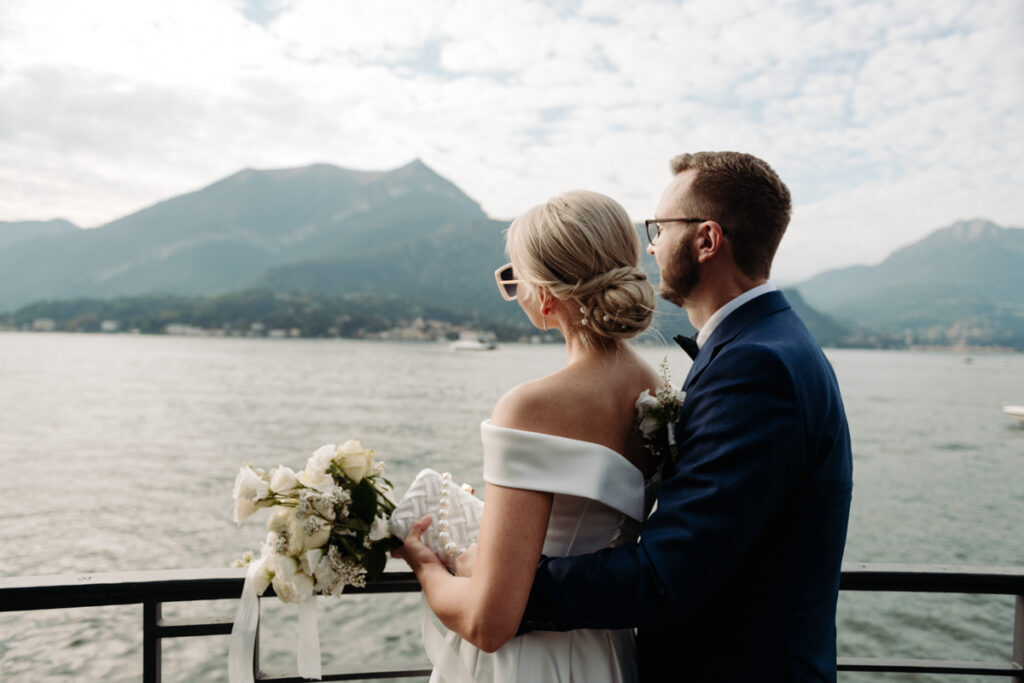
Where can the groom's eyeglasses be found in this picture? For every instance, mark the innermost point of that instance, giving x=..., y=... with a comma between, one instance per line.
x=653, y=225
x=507, y=282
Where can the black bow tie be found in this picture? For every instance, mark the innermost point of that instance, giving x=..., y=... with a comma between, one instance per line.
x=689, y=344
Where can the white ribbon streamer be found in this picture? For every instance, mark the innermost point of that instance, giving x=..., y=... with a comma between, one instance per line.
x=308, y=648
x=440, y=652
x=243, y=632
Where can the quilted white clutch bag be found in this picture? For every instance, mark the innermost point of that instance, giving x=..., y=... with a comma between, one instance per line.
x=455, y=511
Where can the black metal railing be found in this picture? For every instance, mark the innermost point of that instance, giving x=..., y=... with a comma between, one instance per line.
x=154, y=589
x=940, y=579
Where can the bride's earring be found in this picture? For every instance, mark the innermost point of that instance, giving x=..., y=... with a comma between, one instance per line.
x=544, y=318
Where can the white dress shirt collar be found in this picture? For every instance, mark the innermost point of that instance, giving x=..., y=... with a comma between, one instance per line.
x=718, y=316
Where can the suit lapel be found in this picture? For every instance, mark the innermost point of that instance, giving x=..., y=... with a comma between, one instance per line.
x=734, y=323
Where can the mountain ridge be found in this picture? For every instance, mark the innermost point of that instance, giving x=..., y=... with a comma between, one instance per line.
x=412, y=234
x=959, y=285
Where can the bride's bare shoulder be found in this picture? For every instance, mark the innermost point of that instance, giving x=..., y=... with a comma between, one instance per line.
x=540, y=405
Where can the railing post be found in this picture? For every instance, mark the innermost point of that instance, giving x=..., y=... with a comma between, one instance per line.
x=1018, y=635
x=151, y=650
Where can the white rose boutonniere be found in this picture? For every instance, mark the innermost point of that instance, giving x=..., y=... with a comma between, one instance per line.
x=655, y=414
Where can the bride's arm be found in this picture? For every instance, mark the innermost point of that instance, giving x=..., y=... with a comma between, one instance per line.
x=486, y=608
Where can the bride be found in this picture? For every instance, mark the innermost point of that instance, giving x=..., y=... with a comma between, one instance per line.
x=565, y=467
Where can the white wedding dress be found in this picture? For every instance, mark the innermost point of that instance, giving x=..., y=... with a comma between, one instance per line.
x=600, y=500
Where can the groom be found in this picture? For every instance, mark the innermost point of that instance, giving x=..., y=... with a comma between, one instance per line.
x=736, y=575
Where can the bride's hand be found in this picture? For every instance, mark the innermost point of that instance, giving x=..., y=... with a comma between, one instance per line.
x=464, y=562
x=414, y=551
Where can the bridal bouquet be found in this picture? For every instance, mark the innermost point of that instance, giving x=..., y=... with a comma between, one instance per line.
x=328, y=529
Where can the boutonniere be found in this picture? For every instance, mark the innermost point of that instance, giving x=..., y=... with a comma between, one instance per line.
x=655, y=414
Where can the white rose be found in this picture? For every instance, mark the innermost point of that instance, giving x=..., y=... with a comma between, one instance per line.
x=316, y=479
x=646, y=402
x=283, y=479
x=290, y=584
x=355, y=461
x=280, y=520
x=308, y=533
x=249, y=484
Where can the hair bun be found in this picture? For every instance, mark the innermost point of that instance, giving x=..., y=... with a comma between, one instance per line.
x=618, y=304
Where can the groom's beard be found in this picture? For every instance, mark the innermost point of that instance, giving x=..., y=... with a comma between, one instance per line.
x=679, y=277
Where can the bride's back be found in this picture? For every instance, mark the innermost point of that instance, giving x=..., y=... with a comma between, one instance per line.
x=592, y=399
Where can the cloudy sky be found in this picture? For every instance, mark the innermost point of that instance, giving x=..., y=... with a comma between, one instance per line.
x=887, y=118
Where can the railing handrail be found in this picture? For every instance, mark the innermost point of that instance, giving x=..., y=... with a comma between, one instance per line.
x=26, y=593
x=153, y=588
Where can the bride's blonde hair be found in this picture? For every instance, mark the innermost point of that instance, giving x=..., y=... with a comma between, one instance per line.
x=582, y=247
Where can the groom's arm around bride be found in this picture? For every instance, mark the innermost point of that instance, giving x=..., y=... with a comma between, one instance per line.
x=736, y=574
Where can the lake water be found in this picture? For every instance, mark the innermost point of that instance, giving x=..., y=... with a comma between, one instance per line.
x=118, y=453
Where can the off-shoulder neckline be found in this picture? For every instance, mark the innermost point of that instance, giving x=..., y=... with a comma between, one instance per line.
x=487, y=423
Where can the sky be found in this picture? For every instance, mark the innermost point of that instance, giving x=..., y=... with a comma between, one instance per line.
x=887, y=119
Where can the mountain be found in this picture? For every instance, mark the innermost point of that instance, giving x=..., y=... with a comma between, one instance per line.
x=410, y=240
x=316, y=228
x=962, y=284
x=13, y=232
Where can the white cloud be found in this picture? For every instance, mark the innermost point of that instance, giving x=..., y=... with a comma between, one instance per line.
x=886, y=118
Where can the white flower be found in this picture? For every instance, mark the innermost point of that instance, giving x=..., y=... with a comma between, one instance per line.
x=244, y=509
x=308, y=533
x=646, y=402
x=322, y=457
x=379, y=530
x=315, y=475
x=310, y=559
x=327, y=579
x=261, y=576
x=280, y=520
x=290, y=584
x=250, y=485
x=321, y=503
x=244, y=560
x=649, y=425
x=283, y=479
x=273, y=543
x=355, y=461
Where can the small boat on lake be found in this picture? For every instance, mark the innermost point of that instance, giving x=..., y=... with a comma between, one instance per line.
x=474, y=341
x=1015, y=411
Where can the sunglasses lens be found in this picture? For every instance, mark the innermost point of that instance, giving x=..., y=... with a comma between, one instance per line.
x=509, y=287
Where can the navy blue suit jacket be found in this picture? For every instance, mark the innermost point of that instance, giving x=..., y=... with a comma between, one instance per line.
x=736, y=574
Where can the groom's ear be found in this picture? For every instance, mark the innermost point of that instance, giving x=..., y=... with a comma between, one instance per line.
x=709, y=239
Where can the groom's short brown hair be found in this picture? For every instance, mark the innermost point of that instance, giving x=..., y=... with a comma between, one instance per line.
x=746, y=197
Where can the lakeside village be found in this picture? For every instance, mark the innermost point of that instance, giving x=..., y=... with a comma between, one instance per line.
x=418, y=330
